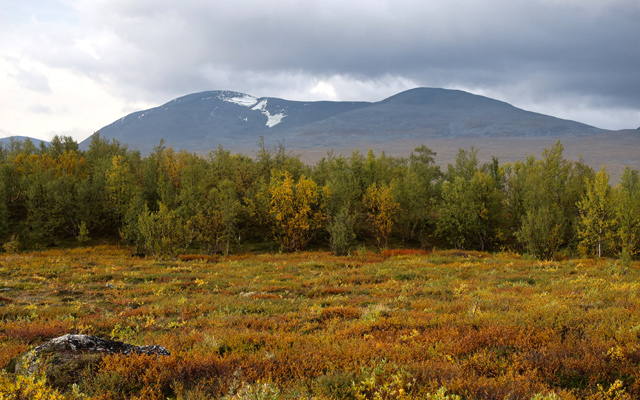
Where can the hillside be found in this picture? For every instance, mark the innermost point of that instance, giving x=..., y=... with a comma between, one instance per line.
x=200, y=122
x=7, y=141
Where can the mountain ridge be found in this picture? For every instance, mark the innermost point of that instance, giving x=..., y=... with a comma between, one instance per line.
x=201, y=121
x=6, y=141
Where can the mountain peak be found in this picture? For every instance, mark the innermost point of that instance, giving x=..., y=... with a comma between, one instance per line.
x=202, y=121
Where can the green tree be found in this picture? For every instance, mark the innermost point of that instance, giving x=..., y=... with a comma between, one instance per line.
x=454, y=222
x=552, y=186
x=470, y=211
x=125, y=197
x=50, y=187
x=341, y=231
x=465, y=166
x=277, y=159
x=216, y=221
x=471, y=204
x=96, y=207
x=417, y=190
x=487, y=203
x=344, y=206
x=163, y=232
x=542, y=231
x=120, y=185
x=4, y=210
x=627, y=212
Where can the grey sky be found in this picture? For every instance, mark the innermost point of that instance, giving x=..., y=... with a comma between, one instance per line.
x=73, y=66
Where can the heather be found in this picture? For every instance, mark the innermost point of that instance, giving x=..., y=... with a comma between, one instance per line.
x=371, y=325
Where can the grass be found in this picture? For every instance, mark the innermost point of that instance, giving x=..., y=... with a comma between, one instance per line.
x=313, y=325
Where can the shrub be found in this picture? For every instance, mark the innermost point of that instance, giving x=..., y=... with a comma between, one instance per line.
x=256, y=391
x=336, y=385
x=342, y=232
x=163, y=232
x=378, y=384
x=26, y=387
x=13, y=245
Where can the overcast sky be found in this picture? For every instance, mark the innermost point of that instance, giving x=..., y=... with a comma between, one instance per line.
x=70, y=67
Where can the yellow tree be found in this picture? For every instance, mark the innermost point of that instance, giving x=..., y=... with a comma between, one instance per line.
x=120, y=182
x=297, y=210
x=380, y=206
x=597, y=215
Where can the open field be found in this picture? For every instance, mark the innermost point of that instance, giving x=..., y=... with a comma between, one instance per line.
x=397, y=324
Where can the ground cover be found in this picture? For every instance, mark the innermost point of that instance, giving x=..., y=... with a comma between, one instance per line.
x=396, y=324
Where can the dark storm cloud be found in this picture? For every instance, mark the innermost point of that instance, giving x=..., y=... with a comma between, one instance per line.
x=537, y=53
x=568, y=47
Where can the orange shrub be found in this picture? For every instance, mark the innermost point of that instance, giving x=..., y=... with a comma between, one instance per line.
x=197, y=257
x=404, y=252
x=340, y=313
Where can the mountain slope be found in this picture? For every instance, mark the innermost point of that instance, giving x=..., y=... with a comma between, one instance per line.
x=7, y=141
x=202, y=121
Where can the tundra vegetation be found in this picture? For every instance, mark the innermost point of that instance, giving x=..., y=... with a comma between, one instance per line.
x=392, y=324
x=271, y=279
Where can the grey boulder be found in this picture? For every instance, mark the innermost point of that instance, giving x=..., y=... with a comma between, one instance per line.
x=68, y=350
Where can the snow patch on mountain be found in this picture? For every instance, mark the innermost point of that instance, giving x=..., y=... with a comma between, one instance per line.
x=272, y=120
x=244, y=100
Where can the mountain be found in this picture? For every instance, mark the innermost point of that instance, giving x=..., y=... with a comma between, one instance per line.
x=7, y=140
x=200, y=122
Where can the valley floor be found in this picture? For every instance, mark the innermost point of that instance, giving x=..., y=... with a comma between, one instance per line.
x=398, y=324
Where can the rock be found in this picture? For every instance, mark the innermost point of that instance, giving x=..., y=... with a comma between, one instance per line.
x=78, y=350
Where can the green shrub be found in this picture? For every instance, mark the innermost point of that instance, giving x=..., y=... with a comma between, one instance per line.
x=342, y=232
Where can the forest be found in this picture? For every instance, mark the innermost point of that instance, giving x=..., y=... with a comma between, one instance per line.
x=172, y=202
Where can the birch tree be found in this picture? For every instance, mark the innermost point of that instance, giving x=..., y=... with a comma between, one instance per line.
x=627, y=212
x=597, y=216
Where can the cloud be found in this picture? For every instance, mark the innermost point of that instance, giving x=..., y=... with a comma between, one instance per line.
x=578, y=47
x=575, y=57
x=325, y=90
x=31, y=80
x=40, y=109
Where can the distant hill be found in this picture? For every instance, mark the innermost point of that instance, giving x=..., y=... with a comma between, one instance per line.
x=36, y=142
x=200, y=122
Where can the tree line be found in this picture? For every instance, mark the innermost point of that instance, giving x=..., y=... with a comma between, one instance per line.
x=170, y=202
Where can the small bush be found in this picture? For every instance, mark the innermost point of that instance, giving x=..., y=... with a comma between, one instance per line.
x=83, y=234
x=26, y=387
x=256, y=391
x=340, y=313
x=404, y=252
x=342, y=232
x=13, y=245
x=336, y=385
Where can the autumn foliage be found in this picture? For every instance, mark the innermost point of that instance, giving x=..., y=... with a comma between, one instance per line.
x=297, y=209
x=403, y=324
x=170, y=202
x=380, y=207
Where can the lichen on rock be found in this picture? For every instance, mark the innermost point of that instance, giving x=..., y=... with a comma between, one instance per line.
x=78, y=350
